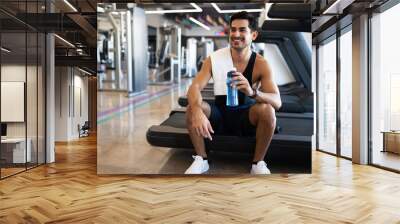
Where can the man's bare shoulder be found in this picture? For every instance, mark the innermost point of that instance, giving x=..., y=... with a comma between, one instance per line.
x=206, y=67
x=261, y=61
x=261, y=65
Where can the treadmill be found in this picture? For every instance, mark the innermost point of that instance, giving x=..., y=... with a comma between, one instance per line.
x=291, y=147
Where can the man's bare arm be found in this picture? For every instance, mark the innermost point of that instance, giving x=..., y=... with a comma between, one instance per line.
x=200, y=124
x=201, y=80
x=269, y=91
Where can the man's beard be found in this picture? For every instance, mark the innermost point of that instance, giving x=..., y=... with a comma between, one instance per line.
x=242, y=44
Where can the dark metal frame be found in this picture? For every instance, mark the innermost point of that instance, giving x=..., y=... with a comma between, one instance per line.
x=369, y=77
x=26, y=89
x=45, y=89
x=316, y=96
x=338, y=98
x=37, y=93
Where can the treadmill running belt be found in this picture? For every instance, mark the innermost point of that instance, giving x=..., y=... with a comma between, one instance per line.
x=290, y=148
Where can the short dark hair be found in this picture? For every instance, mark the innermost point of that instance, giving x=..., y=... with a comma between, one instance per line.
x=245, y=15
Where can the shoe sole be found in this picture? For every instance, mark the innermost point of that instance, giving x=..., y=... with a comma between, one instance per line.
x=206, y=170
x=203, y=172
x=252, y=173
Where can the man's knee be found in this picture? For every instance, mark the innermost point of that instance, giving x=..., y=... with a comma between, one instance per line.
x=206, y=109
x=266, y=115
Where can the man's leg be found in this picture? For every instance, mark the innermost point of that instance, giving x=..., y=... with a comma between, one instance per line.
x=263, y=117
x=197, y=141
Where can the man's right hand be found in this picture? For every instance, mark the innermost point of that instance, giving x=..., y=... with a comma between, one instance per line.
x=201, y=124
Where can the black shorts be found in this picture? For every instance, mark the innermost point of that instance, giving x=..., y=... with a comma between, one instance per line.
x=227, y=121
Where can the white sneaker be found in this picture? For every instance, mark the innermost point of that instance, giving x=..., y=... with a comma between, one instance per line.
x=260, y=168
x=198, y=166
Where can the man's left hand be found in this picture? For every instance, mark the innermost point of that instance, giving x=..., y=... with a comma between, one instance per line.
x=242, y=84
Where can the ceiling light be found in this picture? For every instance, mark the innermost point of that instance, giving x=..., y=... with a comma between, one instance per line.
x=70, y=5
x=334, y=8
x=84, y=71
x=195, y=6
x=5, y=50
x=64, y=40
x=199, y=23
x=234, y=10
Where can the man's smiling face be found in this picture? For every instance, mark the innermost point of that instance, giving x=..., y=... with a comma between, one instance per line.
x=240, y=34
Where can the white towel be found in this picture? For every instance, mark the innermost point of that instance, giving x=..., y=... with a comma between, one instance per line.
x=221, y=63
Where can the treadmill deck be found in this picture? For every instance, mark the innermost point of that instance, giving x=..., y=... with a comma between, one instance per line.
x=291, y=146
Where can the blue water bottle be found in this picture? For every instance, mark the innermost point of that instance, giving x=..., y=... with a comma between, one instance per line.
x=232, y=99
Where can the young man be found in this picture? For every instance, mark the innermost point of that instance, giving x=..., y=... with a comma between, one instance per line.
x=258, y=99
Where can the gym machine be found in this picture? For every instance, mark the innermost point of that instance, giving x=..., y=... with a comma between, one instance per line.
x=191, y=56
x=168, y=67
x=128, y=57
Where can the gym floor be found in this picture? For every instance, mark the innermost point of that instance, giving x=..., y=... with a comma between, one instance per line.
x=122, y=124
x=70, y=191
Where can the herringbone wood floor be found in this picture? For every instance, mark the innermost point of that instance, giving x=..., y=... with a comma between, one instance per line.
x=69, y=191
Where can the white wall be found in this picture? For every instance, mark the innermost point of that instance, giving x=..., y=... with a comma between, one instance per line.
x=71, y=96
x=80, y=109
x=33, y=126
x=62, y=82
x=13, y=72
x=16, y=72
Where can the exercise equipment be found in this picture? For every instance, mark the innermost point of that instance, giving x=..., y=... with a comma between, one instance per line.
x=290, y=147
x=204, y=48
x=191, y=53
x=294, y=17
x=168, y=68
x=124, y=49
